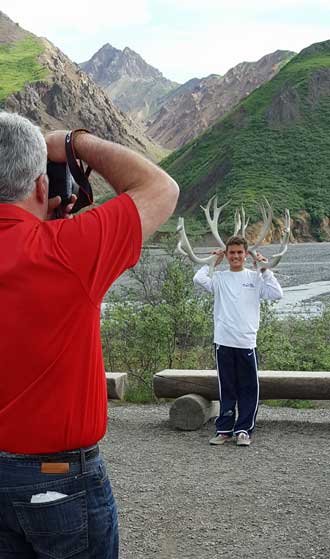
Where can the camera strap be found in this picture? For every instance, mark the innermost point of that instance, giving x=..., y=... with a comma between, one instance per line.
x=80, y=175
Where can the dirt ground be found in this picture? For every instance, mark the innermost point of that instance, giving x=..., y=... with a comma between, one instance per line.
x=180, y=498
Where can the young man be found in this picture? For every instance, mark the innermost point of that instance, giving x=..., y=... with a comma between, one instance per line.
x=55, y=497
x=237, y=294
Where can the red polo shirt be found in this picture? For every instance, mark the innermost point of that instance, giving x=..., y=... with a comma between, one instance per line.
x=53, y=276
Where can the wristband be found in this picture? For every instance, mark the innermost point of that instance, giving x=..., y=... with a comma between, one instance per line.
x=71, y=136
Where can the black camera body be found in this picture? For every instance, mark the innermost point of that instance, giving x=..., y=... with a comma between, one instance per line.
x=61, y=182
x=70, y=178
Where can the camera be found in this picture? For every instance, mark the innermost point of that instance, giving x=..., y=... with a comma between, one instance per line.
x=69, y=178
x=61, y=182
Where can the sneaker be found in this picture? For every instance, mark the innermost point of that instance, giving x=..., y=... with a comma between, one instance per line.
x=243, y=439
x=219, y=438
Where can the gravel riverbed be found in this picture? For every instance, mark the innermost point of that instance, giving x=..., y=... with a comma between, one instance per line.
x=180, y=498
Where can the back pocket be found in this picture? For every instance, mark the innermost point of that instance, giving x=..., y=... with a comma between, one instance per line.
x=57, y=529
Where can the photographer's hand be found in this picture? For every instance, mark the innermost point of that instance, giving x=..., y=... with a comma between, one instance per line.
x=54, y=204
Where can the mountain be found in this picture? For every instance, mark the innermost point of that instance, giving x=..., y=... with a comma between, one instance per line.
x=275, y=143
x=193, y=107
x=41, y=83
x=133, y=85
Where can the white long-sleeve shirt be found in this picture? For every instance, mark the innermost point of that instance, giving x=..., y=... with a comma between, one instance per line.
x=237, y=297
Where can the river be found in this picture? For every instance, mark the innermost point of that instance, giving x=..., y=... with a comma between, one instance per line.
x=304, y=273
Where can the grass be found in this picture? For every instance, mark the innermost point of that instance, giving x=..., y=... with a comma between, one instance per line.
x=19, y=65
x=138, y=393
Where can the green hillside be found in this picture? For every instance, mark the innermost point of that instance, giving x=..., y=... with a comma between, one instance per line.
x=275, y=143
x=19, y=65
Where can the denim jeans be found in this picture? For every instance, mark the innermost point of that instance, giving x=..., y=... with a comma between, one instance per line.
x=82, y=524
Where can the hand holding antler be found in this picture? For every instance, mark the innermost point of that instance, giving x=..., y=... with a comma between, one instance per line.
x=259, y=259
x=220, y=254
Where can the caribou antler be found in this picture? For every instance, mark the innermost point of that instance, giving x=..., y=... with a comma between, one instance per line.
x=284, y=246
x=238, y=222
x=244, y=223
x=213, y=222
x=267, y=219
x=241, y=224
x=184, y=247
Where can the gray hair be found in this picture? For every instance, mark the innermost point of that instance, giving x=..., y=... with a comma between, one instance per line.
x=23, y=157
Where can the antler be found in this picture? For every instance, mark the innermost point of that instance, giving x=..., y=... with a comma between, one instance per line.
x=241, y=224
x=238, y=222
x=213, y=222
x=184, y=247
x=284, y=246
x=244, y=223
x=267, y=219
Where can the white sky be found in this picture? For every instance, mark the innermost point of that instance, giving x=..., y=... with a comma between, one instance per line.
x=181, y=38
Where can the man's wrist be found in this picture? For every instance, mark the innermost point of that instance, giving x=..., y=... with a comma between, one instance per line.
x=78, y=140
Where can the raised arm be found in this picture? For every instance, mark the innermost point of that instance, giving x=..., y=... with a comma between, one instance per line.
x=270, y=288
x=203, y=279
x=154, y=192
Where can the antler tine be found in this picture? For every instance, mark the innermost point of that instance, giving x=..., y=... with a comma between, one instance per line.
x=213, y=222
x=238, y=223
x=184, y=247
x=284, y=245
x=244, y=222
x=275, y=259
x=267, y=218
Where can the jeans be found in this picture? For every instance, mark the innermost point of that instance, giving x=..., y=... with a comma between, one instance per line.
x=82, y=524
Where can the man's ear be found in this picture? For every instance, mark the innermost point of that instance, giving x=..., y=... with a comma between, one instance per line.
x=42, y=189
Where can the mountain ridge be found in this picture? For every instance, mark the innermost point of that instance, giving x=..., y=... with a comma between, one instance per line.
x=275, y=143
x=134, y=85
x=185, y=115
x=173, y=114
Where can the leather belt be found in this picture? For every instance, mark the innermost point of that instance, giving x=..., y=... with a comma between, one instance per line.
x=66, y=456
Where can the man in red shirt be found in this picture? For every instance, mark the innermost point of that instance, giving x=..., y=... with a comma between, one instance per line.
x=55, y=496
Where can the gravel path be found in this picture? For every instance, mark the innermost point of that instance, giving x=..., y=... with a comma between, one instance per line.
x=180, y=498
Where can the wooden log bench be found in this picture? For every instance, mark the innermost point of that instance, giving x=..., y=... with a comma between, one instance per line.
x=197, y=391
x=116, y=385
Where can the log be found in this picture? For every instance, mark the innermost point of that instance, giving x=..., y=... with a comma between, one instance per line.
x=191, y=412
x=294, y=385
x=285, y=385
x=116, y=385
x=172, y=383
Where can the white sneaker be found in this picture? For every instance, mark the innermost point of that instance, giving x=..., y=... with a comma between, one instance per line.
x=243, y=439
x=219, y=438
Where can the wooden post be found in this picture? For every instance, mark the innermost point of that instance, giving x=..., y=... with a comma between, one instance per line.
x=192, y=411
x=116, y=385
